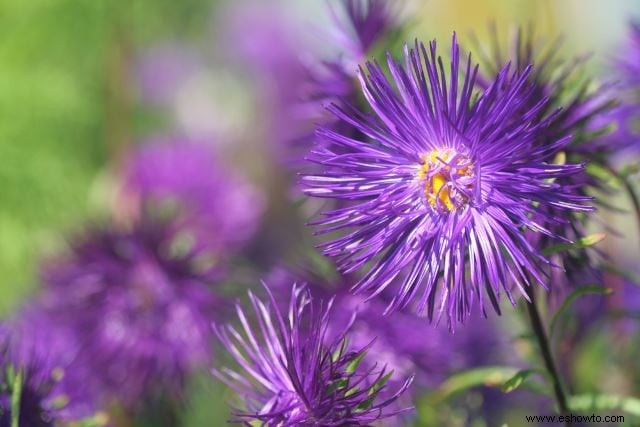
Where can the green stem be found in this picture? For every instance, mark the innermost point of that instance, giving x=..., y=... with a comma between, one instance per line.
x=545, y=350
x=633, y=196
x=16, y=395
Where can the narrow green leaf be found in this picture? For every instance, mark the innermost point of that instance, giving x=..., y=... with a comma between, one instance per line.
x=492, y=376
x=373, y=392
x=628, y=170
x=518, y=379
x=99, y=420
x=603, y=174
x=337, y=385
x=365, y=404
x=380, y=383
x=605, y=402
x=353, y=365
x=337, y=354
x=585, y=242
x=579, y=292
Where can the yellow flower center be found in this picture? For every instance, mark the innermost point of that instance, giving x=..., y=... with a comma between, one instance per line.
x=447, y=178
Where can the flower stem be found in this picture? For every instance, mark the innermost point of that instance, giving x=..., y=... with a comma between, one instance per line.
x=545, y=349
x=633, y=196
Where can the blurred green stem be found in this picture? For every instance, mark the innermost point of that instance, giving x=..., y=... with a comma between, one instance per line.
x=628, y=187
x=119, y=91
x=633, y=196
x=16, y=396
x=545, y=350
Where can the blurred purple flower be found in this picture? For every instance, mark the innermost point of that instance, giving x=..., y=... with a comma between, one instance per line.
x=220, y=209
x=294, y=83
x=140, y=302
x=163, y=69
x=561, y=84
x=361, y=24
x=292, y=376
x=358, y=25
x=558, y=84
x=440, y=185
x=263, y=38
x=630, y=61
x=626, y=116
x=56, y=387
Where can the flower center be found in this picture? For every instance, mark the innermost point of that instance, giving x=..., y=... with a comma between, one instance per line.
x=448, y=179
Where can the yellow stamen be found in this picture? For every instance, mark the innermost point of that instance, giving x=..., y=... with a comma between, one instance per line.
x=436, y=190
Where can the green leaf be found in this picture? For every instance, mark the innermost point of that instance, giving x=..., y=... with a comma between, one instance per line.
x=628, y=170
x=605, y=403
x=16, y=394
x=337, y=385
x=373, y=392
x=492, y=376
x=585, y=242
x=518, y=379
x=380, y=383
x=353, y=365
x=579, y=292
x=98, y=420
x=337, y=354
x=603, y=174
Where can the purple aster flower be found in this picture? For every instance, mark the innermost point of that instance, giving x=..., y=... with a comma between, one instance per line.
x=56, y=387
x=441, y=189
x=291, y=376
x=220, y=209
x=141, y=301
x=400, y=340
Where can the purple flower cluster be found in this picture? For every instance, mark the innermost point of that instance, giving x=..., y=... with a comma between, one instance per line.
x=293, y=375
x=446, y=183
x=219, y=209
x=55, y=386
x=140, y=304
x=137, y=297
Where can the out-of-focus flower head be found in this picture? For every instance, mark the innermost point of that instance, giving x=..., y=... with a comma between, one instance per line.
x=163, y=69
x=361, y=24
x=56, y=386
x=141, y=302
x=272, y=51
x=558, y=83
x=561, y=84
x=441, y=187
x=220, y=210
x=358, y=26
x=400, y=341
x=296, y=85
x=626, y=116
x=291, y=376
